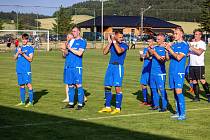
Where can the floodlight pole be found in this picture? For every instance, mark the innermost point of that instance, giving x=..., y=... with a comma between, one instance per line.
x=142, y=18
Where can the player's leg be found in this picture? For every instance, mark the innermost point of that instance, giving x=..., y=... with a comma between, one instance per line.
x=179, y=81
x=204, y=83
x=194, y=76
x=30, y=89
x=161, y=87
x=118, y=77
x=78, y=81
x=65, y=80
x=21, y=84
x=155, y=95
x=108, y=82
x=144, y=80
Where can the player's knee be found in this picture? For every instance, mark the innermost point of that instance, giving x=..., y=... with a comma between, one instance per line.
x=71, y=86
x=107, y=88
x=29, y=85
x=118, y=89
x=22, y=86
x=178, y=91
x=78, y=85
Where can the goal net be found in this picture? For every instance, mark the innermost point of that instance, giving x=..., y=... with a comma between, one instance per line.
x=39, y=39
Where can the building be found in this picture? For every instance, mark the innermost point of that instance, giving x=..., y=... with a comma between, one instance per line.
x=128, y=25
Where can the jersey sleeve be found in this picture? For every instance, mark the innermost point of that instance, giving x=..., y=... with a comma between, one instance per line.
x=203, y=46
x=16, y=50
x=31, y=50
x=83, y=44
x=185, y=49
x=145, y=51
x=124, y=46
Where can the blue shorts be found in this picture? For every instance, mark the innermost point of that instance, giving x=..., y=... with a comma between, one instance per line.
x=157, y=81
x=176, y=80
x=24, y=78
x=72, y=76
x=145, y=78
x=114, y=75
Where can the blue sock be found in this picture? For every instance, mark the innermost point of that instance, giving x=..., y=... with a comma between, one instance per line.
x=71, y=95
x=164, y=98
x=119, y=97
x=191, y=85
x=31, y=96
x=156, y=97
x=144, y=93
x=181, y=104
x=108, y=96
x=22, y=94
x=177, y=104
x=80, y=96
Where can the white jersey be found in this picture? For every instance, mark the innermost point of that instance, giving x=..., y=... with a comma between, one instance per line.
x=71, y=42
x=197, y=60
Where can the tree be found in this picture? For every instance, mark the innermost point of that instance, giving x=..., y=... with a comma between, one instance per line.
x=63, y=22
x=1, y=25
x=205, y=17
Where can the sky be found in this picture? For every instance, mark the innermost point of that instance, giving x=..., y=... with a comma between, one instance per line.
x=51, y=4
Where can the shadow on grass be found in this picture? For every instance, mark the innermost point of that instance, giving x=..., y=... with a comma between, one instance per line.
x=20, y=124
x=139, y=97
x=38, y=95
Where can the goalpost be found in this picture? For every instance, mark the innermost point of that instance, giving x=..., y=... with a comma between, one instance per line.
x=31, y=33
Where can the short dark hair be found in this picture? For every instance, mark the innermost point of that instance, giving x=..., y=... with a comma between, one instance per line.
x=161, y=34
x=118, y=32
x=25, y=36
x=180, y=29
x=77, y=28
x=198, y=30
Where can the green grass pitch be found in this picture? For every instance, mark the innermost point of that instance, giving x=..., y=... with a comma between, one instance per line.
x=46, y=120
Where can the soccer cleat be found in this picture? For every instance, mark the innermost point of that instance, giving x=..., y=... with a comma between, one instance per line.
x=175, y=116
x=155, y=108
x=79, y=107
x=29, y=104
x=68, y=106
x=195, y=100
x=115, y=111
x=163, y=110
x=20, y=104
x=145, y=103
x=105, y=109
x=181, y=118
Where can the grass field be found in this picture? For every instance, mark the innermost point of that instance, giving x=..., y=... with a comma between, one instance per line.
x=46, y=120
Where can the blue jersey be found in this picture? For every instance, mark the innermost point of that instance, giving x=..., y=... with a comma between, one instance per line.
x=175, y=65
x=158, y=67
x=75, y=60
x=147, y=62
x=22, y=64
x=115, y=57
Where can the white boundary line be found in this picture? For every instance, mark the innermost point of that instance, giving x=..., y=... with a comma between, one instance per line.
x=96, y=118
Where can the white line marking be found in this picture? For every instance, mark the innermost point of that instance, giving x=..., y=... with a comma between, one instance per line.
x=96, y=118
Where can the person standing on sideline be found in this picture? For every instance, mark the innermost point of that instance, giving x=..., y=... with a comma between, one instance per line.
x=197, y=66
x=74, y=69
x=115, y=71
x=24, y=57
x=65, y=52
x=178, y=55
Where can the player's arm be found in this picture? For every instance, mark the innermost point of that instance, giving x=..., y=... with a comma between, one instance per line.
x=154, y=53
x=197, y=51
x=167, y=55
x=177, y=56
x=29, y=58
x=107, y=47
x=16, y=55
x=64, y=50
x=118, y=48
x=77, y=52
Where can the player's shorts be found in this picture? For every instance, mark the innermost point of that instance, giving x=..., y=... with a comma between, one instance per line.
x=114, y=75
x=176, y=80
x=145, y=78
x=157, y=81
x=24, y=78
x=197, y=72
x=72, y=76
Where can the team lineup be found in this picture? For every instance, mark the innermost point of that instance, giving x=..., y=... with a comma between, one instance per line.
x=153, y=74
